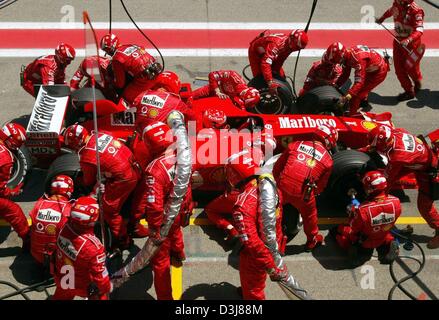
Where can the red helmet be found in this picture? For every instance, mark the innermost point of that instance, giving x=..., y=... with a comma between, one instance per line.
x=110, y=43
x=62, y=185
x=85, y=212
x=250, y=96
x=213, y=118
x=381, y=137
x=75, y=136
x=298, y=38
x=13, y=135
x=65, y=53
x=374, y=182
x=335, y=53
x=169, y=81
x=158, y=136
x=241, y=166
x=327, y=134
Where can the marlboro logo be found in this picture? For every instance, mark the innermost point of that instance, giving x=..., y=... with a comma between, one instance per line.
x=304, y=122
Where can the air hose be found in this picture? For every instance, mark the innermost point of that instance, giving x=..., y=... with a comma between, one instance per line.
x=40, y=286
x=313, y=8
x=143, y=34
x=411, y=275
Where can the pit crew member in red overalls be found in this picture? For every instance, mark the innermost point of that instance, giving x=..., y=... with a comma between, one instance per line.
x=229, y=84
x=152, y=106
x=370, y=222
x=302, y=172
x=370, y=70
x=257, y=215
x=133, y=67
x=406, y=154
x=48, y=216
x=48, y=70
x=81, y=77
x=322, y=73
x=80, y=257
x=12, y=137
x=222, y=207
x=119, y=170
x=268, y=52
x=409, y=28
x=159, y=178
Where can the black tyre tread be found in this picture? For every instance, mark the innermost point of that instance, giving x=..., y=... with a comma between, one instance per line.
x=347, y=161
x=25, y=158
x=317, y=100
x=22, y=154
x=66, y=164
x=348, y=164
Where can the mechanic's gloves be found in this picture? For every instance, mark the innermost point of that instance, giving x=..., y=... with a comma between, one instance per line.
x=154, y=235
x=379, y=20
x=220, y=95
x=406, y=42
x=17, y=190
x=272, y=87
x=278, y=274
x=350, y=209
x=344, y=100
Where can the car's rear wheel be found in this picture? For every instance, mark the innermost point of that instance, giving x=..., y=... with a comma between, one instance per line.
x=282, y=103
x=22, y=158
x=319, y=100
x=22, y=167
x=67, y=164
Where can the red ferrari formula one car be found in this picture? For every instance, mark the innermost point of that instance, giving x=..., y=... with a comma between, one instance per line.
x=55, y=108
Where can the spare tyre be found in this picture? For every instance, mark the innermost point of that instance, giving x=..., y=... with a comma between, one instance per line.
x=319, y=100
x=348, y=167
x=283, y=103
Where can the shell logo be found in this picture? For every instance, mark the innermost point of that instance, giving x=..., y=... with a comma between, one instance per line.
x=152, y=113
x=116, y=144
x=311, y=163
x=51, y=229
x=368, y=125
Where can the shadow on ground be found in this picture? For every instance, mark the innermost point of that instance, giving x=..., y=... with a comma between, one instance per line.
x=215, y=291
x=375, y=98
x=137, y=286
x=425, y=98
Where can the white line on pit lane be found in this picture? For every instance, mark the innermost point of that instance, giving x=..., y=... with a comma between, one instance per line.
x=205, y=25
x=202, y=52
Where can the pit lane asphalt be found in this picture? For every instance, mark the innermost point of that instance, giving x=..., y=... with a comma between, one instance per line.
x=210, y=272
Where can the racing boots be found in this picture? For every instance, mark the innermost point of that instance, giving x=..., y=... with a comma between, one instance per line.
x=316, y=241
x=434, y=242
x=406, y=95
x=137, y=231
x=418, y=86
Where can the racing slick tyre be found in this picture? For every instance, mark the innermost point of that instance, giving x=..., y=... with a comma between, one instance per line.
x=22, y=158
x=67, y=164
x=22, y=167
x=320, y=100
x=280, y=104
x=348, y=167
